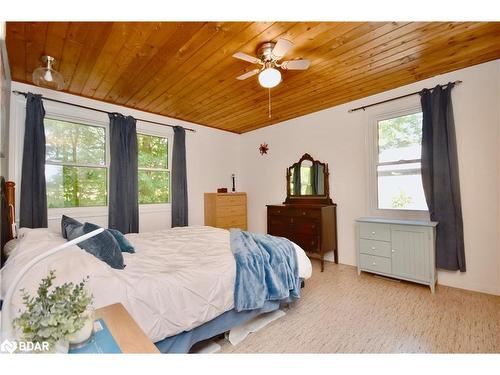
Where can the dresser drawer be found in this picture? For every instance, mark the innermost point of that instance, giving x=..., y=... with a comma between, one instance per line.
x=372, y=247
x=308, y=213
x=224, y=211
x=230, y=200
x=232, y=222
x=307, y=226
x=307, y=243
x=372, y=231
x=375, y=263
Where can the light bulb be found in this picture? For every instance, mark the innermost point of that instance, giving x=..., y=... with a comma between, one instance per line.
x=48, y=76
x=269, y=77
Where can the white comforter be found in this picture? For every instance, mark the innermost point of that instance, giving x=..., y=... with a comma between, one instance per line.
x=177, y=280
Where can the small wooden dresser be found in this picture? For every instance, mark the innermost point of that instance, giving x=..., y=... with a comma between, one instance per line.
x=311, y=226
x=226, y=210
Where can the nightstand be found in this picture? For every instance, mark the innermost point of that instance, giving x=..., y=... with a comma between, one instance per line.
x=127, y=334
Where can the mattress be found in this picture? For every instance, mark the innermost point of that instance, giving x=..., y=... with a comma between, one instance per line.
x=178, y=278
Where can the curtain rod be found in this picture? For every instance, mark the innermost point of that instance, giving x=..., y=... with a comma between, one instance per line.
x=99, y=110
x=396, y=98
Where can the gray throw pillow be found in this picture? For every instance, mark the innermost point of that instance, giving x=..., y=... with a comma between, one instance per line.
x=65, y=222
x=103, y=246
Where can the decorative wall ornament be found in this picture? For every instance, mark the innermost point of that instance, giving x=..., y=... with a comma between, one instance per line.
x=263, y=148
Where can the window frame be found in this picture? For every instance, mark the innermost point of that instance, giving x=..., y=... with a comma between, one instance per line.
x=373, y=147
x=168, y=137
x=86, y=122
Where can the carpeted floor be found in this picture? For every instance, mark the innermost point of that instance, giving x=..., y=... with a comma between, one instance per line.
x=341, y=312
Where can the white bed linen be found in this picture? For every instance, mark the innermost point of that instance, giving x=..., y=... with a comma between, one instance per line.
x=177, y=280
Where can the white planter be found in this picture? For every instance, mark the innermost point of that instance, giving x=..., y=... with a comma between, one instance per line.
x=83, y=334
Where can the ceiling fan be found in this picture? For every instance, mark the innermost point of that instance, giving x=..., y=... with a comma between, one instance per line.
x=268, y=56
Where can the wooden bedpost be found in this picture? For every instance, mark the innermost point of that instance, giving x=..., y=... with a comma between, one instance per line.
x=11, y=202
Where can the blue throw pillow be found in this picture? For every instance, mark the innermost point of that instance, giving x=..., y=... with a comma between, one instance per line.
x=103, y=246
x=124, y=244
x=67, y=221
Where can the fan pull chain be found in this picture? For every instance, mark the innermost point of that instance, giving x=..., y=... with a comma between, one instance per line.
x=269, y=102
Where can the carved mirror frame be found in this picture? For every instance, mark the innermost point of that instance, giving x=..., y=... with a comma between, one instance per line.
x=308, y=199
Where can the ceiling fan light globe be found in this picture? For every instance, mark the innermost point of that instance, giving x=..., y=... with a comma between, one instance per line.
x=269, y=78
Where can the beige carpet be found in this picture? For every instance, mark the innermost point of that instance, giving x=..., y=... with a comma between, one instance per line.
x=341, y=312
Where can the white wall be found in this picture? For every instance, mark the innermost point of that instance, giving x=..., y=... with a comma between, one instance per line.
x=212, y=156
x=341, y=139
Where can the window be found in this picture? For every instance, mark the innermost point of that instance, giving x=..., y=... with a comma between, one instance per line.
x=399, y=180
x=154, y=176
x=75, y=164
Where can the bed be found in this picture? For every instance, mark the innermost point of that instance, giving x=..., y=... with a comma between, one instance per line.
x=178, y=281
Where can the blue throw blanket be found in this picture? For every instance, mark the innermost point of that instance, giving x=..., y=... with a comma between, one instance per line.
x=266, y=269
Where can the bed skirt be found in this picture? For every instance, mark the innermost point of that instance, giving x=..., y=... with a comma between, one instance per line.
x=182, y=342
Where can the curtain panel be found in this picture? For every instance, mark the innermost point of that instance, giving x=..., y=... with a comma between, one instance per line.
x=440, y=177
x=123, y=203
x=179, y=196
x=33, y=205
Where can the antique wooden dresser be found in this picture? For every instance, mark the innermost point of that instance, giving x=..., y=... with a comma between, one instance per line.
x=308, y=217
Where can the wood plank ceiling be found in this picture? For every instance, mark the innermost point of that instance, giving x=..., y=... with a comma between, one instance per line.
x=185, y=70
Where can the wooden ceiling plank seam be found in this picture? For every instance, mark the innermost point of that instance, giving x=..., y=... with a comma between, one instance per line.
x=94, y=43
x=164, y=54
x=35, y=44
x=143, y=58
x=119, y=34
x=73, y=46
x=189, y=48
x=16, y=46
x=192, y=68
x=290, y=92
x=125, y=57
x=54, y=42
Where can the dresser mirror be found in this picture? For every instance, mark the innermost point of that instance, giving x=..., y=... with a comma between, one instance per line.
x=307, y=181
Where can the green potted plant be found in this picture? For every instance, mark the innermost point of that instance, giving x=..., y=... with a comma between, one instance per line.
x=57, y=315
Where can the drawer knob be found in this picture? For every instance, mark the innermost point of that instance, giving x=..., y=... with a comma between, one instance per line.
x=374, y=263
x=373, y=248
x=373, y=233
x=393, y=251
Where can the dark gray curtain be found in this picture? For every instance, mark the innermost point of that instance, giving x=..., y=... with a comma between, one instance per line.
x=179, y=179
x=296, y=180
x=440, y=177
x=33, y=209
x=316, y=177
x=123, y=185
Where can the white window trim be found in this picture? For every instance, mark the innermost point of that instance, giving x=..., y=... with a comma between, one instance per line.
x=166, y=132
x=372, y=143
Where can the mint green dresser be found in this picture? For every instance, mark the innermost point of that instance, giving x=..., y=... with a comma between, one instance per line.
x=402, y=249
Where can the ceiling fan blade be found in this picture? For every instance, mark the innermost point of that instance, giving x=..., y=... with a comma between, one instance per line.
x=295, y=64
x=245, y=57
x=281, y=48
x=248, y=74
